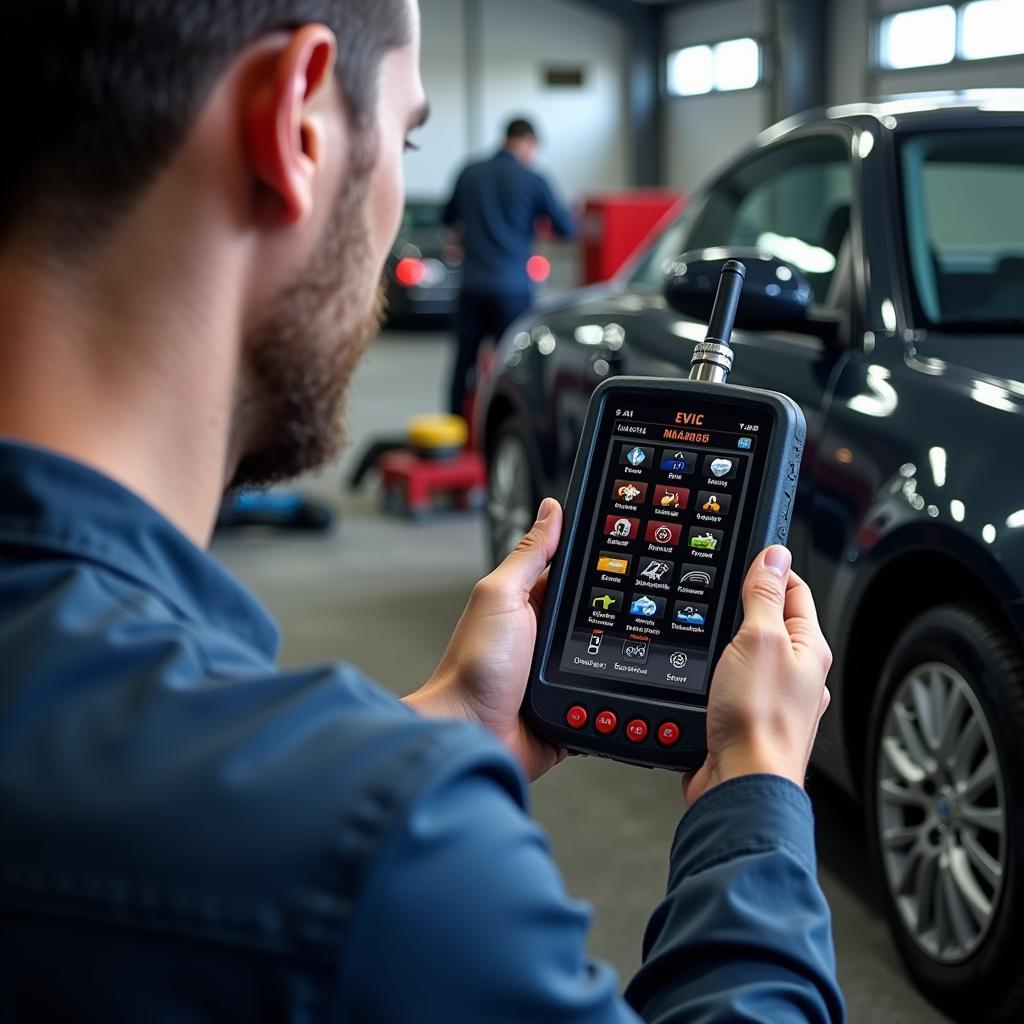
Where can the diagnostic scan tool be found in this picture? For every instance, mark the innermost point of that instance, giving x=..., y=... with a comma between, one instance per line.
x=677, y=485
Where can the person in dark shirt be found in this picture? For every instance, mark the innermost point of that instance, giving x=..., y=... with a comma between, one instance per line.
x=193, y=225
x=495, y=206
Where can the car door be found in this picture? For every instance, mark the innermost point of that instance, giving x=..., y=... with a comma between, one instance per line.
x=793, y=199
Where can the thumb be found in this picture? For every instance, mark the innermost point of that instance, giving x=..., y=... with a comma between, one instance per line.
x=764, y=590
x=523, y=567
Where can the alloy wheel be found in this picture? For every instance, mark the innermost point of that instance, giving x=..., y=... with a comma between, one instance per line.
x=510, y=510
x=942, y=821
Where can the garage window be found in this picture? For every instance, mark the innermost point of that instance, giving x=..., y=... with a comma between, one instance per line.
x=941, y=33
x=722, y=67
x=991, y=28
x=915, y=39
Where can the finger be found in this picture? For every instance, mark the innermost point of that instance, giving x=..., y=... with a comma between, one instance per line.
x=523, y=567
x=539, y=590
x=799, y=602
x=764, y=589
x=802, y=616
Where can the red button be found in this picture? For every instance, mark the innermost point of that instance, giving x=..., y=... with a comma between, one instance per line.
x=606, y=722
x=576, y=716
x=636, y=731
x=668, y=734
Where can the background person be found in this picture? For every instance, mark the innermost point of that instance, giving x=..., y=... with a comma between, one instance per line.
x=495, y=206
x=192, y=227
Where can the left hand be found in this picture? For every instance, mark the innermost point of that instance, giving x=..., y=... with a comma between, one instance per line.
x=482, y=676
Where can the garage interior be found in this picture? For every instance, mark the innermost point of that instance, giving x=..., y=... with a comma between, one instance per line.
x=384, y=592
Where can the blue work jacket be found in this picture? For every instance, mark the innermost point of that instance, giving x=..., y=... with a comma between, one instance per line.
x=188, y=833
x=495, y=205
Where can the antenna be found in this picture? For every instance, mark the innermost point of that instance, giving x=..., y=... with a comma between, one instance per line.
x=712, y=357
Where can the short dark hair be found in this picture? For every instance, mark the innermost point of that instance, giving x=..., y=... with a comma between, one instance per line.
x=520, y=128
x=102, y=92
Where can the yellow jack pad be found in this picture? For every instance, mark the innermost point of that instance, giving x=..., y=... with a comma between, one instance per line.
x=437, y=432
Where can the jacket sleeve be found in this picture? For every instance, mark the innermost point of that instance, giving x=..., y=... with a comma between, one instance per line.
x=465, y=918
x=744, y=933
x=549, y=205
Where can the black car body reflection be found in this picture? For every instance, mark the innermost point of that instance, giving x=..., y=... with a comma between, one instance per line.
x=905, y=218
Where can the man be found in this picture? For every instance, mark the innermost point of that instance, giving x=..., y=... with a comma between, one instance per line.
x=496, y=205
x=196, y=209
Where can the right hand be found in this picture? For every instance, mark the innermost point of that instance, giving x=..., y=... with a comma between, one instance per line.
x=768, y=692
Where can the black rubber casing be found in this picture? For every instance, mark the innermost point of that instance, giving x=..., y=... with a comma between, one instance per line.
x=546, y=702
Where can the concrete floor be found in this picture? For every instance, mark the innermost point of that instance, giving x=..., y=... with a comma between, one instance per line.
x=339, y=598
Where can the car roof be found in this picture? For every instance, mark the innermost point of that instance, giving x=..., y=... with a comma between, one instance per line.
x=911, y=111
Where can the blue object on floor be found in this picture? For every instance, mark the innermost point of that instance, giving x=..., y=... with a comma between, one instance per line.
x=286, y=510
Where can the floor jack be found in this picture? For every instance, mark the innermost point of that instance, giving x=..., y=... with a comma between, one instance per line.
x=433, y=458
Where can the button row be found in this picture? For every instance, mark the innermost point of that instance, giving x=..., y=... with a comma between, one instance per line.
x=606, y=722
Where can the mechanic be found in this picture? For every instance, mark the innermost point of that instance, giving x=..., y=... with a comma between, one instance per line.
x=195, y=211
x=496, y=205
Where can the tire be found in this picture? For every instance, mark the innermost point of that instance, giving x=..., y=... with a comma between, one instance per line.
x=944, y=788
x=513, y=491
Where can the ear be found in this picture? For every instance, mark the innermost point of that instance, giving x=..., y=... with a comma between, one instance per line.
x=282, y=138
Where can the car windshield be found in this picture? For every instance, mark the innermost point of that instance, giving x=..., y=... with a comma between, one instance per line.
x=965, y=225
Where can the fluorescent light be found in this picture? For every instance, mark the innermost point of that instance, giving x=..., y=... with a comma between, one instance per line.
x=915, y=39
x=691, y=71
x=737, y=64
x=992, y=28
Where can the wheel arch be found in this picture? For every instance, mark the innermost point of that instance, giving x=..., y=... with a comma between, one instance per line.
x=500, y=409
x=902, y=588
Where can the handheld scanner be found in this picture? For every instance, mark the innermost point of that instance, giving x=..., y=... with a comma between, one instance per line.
x=677, y=485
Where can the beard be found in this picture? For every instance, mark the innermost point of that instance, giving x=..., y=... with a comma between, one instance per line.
x=298, y=362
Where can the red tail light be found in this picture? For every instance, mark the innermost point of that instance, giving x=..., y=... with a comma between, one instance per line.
x=410, y=272
x=538, y=269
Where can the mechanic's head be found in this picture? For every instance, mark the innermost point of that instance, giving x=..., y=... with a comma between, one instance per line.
x=245, y=155
x=521, y=139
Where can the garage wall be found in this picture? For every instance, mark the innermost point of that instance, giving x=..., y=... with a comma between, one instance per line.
x=583, y=129
x=482, y=64
x=851, y=62
x=702, y=131
x=446, y=79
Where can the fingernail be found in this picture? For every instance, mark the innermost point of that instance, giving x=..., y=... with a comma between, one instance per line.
x=778, y=560
x=545, y=509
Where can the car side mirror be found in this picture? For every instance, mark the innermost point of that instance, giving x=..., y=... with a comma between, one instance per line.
x=776, y=296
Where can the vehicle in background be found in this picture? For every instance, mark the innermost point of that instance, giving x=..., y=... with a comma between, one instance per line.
x=423, y=273
x=424, y=269
x=885, y=293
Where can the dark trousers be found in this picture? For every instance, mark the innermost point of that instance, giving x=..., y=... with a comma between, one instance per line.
x=478, y=317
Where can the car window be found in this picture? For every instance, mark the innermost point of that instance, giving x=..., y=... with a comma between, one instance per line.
x=422, y=216
x=965, y=224
x=651, y=270
x=793, y=201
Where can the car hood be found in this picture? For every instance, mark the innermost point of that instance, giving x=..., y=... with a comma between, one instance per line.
x=599, y=301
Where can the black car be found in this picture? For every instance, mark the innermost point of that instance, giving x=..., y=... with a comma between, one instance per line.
x=886, y=296
x=424, y=269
